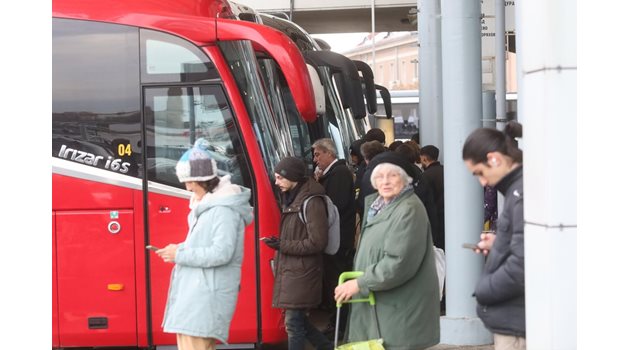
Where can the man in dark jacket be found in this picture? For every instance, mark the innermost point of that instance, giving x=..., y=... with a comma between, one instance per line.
x=433, y=176
x=495, y=160
x=369, y=150
x=500, y=292
x=338, y=182
x=299, y=265
x=420, y=187
x=358, y=162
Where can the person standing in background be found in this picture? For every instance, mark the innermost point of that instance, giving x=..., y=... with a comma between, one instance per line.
x=375, y=134
x=489, y=208
x=358, y=162
x=369, y=150
x=434, y=177
x=425, y=192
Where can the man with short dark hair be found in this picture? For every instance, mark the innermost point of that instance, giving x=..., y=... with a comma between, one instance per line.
x=375, y=134
x=299, y=260
x=416, y=138
x=369, y=150
x=433, y=176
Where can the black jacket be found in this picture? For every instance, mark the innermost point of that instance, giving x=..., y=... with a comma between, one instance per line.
x=500, y=292
x=339, y=185
x=433, y=176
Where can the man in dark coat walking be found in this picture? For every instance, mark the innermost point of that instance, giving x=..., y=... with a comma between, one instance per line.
x=433, y=176
x=338, y=181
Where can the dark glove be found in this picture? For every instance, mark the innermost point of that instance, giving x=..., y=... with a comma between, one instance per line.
x=272, y=242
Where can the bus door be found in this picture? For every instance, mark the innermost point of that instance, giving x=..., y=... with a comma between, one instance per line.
x=175, y=117
x=185, y=101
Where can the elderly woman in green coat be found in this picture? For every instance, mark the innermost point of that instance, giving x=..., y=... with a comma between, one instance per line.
x=395, y=253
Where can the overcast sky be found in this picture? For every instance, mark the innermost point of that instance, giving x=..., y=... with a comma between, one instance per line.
x=341, y=42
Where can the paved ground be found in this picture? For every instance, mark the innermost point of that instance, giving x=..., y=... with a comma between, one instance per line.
x=320, y=320
x=461, y=347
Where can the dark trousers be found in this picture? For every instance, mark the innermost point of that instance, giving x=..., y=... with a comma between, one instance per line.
x=300, y=329
x=334, y=265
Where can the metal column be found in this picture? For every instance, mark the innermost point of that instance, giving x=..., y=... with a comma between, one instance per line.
x=461, y=62
x=430, y=73
x=499, y=61
x=547, y=108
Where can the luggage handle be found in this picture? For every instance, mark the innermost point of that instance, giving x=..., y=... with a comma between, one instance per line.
x=350, y=275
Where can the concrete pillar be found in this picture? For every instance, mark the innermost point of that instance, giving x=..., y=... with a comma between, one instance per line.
x=499, y=61
x=430, y=73
x=489, y=111
x=547, y=98
x=461, y=62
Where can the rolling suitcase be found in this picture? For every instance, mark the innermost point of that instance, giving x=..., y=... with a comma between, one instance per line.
x=371, y=344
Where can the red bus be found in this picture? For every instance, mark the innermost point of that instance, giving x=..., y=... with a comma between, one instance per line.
x=135, y=83
x=348, y=85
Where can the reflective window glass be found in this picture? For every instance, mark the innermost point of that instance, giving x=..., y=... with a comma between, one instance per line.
x=95, y=95
x=242, y=61
x=176, y=117
x=166, y=58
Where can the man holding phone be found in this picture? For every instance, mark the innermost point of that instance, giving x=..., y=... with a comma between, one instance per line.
x=495, y=159
x=484, y=245
x=300, y=248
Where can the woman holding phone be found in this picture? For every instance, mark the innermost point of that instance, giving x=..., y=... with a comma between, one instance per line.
x=207, y=273
x=495, y=159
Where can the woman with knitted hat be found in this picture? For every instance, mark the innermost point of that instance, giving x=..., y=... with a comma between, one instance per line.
x=207, y=272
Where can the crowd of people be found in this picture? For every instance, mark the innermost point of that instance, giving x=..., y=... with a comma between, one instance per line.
x=390, y=201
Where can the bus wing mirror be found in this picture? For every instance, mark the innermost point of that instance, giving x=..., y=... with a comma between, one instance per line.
x=323, y=45
x=318, y=90
x=368, y=85
x=387, y=99
x=347, y=79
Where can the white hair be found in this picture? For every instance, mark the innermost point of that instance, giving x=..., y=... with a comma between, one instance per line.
x=327, y=145
x=389, y=166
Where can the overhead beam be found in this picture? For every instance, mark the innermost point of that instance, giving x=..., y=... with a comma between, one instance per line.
x=390, y=19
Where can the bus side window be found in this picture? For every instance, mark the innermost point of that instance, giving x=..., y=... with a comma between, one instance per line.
x=96, y=108
x=181, y=115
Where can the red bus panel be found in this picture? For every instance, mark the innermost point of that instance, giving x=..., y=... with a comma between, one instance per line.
x=70, y=193
x=55, y=306
x=168, y=224
x=96, y=285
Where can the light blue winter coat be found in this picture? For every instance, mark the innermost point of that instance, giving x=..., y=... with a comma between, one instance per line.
x=205, y=280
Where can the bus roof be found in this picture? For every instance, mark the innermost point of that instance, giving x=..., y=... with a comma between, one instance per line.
x=195, y=21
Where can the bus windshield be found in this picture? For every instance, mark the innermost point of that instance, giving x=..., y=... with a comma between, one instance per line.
x=241, y=59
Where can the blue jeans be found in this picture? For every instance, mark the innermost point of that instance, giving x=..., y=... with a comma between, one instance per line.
x=300, y=329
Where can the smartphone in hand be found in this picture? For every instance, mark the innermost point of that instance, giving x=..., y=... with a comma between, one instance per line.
x=470, y=246
x=153, y=248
